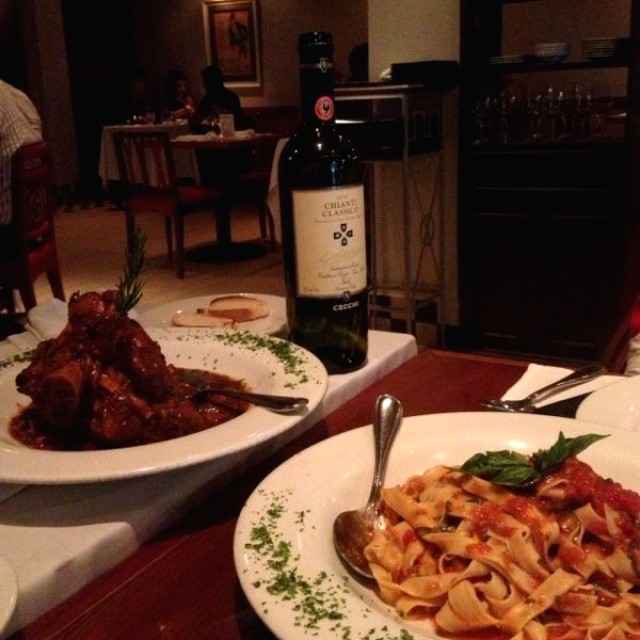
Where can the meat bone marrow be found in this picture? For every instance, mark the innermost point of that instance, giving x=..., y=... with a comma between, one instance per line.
x=105, y=383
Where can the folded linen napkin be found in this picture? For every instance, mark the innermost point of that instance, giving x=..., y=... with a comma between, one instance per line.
x=245, y=133
x=538, y=376
x=19, y=342
x=48, y=319
x=197, y=137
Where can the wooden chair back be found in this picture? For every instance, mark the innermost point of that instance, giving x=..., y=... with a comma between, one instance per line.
x=29, y=242
x=146, y=166
x=32, y=192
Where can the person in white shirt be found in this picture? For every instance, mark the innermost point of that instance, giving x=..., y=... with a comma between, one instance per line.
x=20, y=124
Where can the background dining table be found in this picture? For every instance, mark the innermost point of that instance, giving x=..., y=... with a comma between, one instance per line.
x=212, y=151
x=182, y=585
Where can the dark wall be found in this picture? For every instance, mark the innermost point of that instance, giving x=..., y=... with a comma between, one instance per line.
x=99, y=45
x=12, y=67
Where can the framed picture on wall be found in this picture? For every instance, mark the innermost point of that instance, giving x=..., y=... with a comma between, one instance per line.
x=232, y=38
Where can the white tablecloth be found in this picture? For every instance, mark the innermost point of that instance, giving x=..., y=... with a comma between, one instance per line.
x=60, y=538
x=273, y=197
x=186, y=166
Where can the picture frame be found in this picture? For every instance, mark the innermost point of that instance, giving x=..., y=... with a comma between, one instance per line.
x=233, y=40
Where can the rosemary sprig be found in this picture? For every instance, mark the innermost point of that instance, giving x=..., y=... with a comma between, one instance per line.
x=130, y=285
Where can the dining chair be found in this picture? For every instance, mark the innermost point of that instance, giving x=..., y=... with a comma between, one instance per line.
x=255, y=184
x=147, y=172
x=28, y=243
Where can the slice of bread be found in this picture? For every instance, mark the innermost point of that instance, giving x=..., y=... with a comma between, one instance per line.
x=185, y=319
x=238, y=308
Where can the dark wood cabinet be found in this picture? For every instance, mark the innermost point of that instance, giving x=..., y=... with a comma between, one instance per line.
x=546, y=227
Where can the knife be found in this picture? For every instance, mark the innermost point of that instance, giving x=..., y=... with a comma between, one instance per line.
x=563, y=408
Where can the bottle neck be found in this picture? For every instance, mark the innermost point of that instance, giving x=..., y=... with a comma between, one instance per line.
x=316, y=92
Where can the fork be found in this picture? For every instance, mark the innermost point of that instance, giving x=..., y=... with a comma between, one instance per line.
x=526, y=405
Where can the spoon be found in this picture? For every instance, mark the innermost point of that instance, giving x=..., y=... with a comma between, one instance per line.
x=352, y=530
x=279, y=404
x=527, y=404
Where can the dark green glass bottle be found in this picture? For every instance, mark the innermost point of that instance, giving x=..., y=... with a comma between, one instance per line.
x=323, y=222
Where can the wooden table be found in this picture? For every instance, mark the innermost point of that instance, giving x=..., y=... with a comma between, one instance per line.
x=221, y=151
x=183, y=585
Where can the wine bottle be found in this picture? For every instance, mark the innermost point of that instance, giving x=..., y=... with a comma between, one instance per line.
x=323, y=222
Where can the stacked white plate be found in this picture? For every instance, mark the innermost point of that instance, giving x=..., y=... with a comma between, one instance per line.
x=551, y=52
x=605, y=48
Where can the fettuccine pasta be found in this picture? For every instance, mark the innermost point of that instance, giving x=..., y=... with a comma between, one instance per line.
x=559, y=563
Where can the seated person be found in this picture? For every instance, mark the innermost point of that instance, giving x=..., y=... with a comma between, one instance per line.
x=216, y=100
x=178, y=101
x=143, y=103
x=632, y=365
x=359, y=63
x=215, y=171
x=20, y=124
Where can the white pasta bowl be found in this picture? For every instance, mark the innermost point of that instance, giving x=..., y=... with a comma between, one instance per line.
x=283, y=547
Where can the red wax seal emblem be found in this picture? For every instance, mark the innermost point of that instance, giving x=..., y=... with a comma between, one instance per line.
x=324, y=108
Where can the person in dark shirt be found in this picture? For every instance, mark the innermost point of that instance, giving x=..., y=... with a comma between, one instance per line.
x=216, y=171
x=359, y=63
x=216, y=100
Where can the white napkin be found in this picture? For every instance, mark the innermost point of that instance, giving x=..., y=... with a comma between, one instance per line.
x=48, y=319
x=245, y=133
x=24, y=341
x=538, y=376
x=197, y=137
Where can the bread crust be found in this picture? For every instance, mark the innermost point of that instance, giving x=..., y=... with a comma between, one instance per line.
x=239, y=308
x=186, y=319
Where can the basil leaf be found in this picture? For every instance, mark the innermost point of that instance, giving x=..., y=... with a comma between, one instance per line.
x=492, y=460
x=546, y=460
x=501, y=467
x=513, y=469
x=522, y=476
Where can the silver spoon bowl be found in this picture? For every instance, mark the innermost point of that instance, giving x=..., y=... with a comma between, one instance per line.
x=526, y=405
x=352, y=530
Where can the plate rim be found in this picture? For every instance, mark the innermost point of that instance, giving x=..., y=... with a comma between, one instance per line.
x=587, y=412
x=279, y=319
x=128, y=462
x=361, y=601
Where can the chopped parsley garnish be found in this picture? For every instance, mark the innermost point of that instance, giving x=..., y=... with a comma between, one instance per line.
x=18, y=358
x=290, y=356
x=318, y=602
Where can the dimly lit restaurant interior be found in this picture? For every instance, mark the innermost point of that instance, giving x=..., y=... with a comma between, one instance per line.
x=320, y=319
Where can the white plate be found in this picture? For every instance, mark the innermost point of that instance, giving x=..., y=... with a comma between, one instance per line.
x=273, y=324
x=617, y=405
x=267, y=364
x=297, y=503
x=8, y=593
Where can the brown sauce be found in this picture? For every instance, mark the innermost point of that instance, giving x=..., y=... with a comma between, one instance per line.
x=177, y=414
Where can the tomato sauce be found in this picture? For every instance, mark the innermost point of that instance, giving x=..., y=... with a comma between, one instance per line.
x=584, y=485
